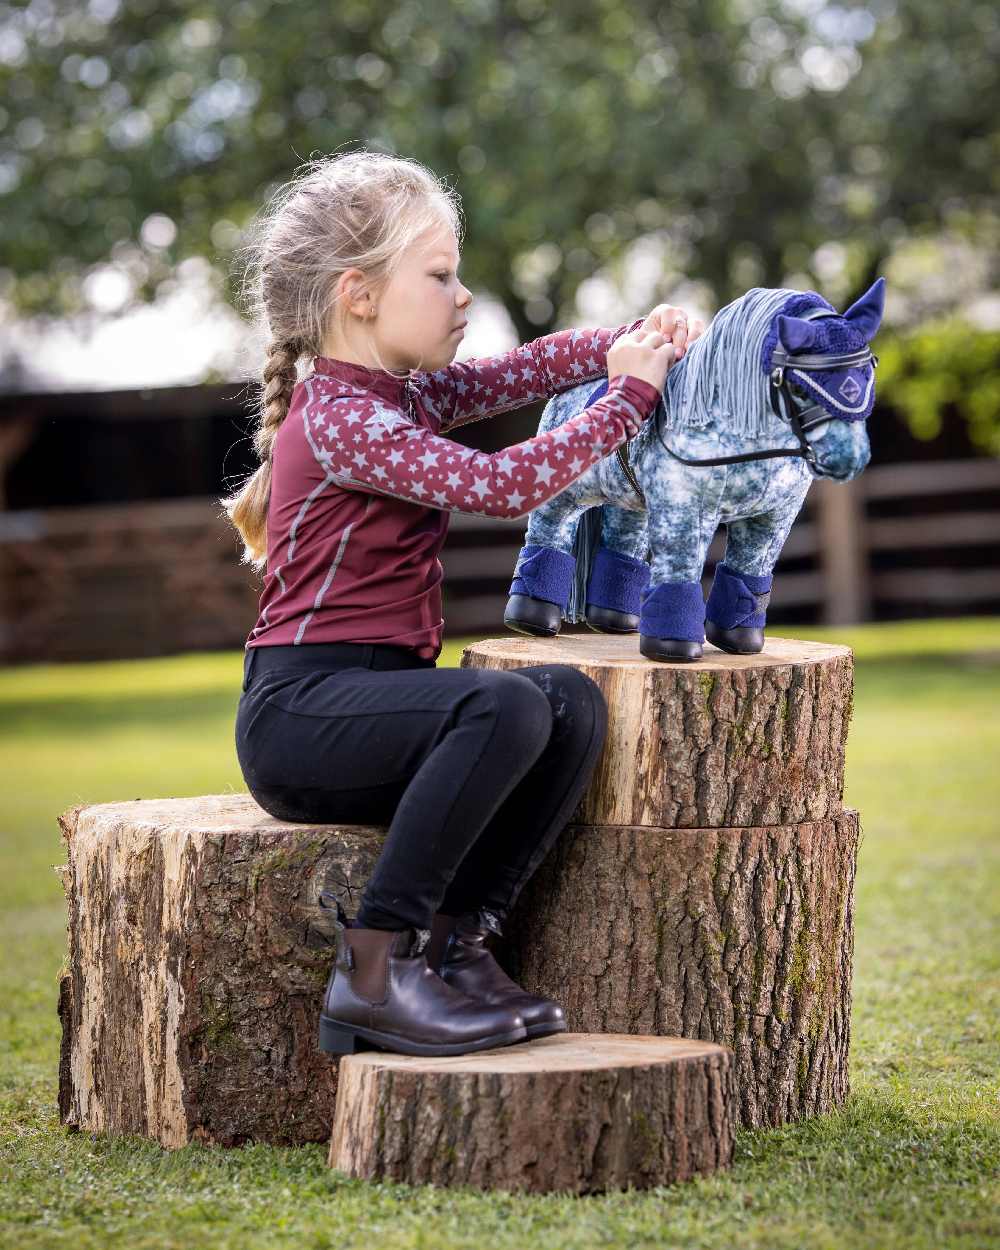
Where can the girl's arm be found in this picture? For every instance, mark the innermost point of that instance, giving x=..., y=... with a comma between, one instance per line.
x=371, y=445
x=493, y=384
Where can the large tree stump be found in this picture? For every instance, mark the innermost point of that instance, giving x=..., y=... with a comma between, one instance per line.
x=574, y=1112
x=705, y=885
x=198, y=955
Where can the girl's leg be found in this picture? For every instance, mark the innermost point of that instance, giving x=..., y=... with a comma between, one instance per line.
x=433, y=752
x=528, y=822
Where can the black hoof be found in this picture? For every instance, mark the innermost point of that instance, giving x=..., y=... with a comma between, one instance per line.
x=740, y=640
x=671, y=650
x=608, y=621
x=537, y=617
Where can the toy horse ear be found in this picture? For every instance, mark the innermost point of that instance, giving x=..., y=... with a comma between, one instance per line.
x=866, y=313
x=796, y=335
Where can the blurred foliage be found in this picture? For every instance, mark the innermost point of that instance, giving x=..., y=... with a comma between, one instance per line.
x=746, y=133
x=945, y=365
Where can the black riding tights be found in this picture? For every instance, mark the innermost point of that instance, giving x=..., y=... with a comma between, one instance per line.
x=476, y=772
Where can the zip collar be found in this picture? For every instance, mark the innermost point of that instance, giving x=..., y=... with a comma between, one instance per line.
x=381, y=381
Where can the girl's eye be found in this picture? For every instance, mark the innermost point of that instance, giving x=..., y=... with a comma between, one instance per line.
x=441, y=275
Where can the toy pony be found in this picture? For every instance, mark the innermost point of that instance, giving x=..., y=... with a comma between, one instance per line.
x=773, y=394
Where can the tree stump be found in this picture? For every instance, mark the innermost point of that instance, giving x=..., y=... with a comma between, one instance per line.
x=727, y=741
x=575, y=1112
x=198, y=956
x=704, y=887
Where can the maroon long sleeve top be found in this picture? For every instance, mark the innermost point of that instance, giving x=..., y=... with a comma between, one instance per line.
x=363, y=484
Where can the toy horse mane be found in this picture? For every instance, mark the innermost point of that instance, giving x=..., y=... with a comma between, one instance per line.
x=723, y=376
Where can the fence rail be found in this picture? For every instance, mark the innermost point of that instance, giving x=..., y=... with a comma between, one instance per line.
x=145, y=579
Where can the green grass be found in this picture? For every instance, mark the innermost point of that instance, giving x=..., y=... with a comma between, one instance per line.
x=912, y=1159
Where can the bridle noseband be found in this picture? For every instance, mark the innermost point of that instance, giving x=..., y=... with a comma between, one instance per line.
x=782, y=404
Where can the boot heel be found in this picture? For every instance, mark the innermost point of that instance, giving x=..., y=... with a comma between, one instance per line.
x=335, y=1039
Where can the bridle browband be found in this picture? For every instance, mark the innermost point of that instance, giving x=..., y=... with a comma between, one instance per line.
x=782, y=404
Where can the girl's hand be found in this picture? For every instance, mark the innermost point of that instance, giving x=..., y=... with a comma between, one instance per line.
x=644, y=354
x=675, y=325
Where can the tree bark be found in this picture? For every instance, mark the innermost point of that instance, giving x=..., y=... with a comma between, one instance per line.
x=744, y=937
x=578, y=1113
x=704, y=889
x=198, y=956
x=728, y=741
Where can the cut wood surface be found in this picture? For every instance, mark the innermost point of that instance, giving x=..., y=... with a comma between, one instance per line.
x=726, y=741
x=744, y=937
x=573, y=1112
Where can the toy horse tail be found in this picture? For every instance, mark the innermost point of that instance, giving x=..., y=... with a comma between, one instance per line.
x=585, y=543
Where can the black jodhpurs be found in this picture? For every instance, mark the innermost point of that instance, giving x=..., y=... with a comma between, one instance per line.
x=475, y=772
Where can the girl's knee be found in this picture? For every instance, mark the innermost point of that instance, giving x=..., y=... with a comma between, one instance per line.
x=523, y=711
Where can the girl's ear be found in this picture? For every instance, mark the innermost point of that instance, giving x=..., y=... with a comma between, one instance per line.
x=354, y=291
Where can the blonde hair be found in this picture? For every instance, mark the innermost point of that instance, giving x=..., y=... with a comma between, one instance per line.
x=359, y=209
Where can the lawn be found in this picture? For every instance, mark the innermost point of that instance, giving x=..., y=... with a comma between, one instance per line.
x=912, y=1159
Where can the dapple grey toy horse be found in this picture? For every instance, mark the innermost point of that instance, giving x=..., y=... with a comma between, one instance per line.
x=774, y=393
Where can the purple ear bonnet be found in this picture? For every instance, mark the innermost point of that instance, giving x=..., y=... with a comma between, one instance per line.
x=845, y=391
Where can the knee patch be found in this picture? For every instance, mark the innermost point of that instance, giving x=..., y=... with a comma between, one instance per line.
x=523, y=711
x=738, y=598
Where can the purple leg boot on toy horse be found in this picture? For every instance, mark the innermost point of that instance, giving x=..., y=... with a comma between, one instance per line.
x=543, y=583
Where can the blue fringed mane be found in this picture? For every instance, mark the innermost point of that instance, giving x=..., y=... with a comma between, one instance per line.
x=722, y=377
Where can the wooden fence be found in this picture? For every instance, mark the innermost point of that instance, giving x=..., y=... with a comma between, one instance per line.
x=155, y=578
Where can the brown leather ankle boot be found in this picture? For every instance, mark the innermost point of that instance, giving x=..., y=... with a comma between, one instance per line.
x=382, y=993
x=462, y=959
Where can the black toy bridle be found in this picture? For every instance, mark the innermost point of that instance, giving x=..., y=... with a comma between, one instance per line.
x=782, y=404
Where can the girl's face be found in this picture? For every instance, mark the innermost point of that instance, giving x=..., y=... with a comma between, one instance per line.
x=423, y=307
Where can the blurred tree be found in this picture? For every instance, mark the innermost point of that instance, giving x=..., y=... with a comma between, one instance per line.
x=941, y=368
x=746, y=133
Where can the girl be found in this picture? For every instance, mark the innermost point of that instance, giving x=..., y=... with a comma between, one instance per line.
x=343, y=715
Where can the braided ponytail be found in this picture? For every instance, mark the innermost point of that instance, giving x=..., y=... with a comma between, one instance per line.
x=358, y=210
x=247, y=509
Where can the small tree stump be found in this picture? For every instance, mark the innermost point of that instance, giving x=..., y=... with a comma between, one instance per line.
x=728, y=741
x=575, y=1112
